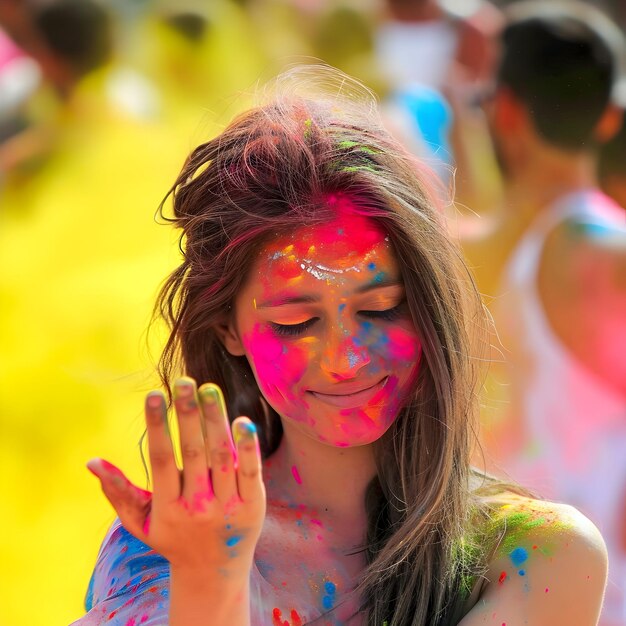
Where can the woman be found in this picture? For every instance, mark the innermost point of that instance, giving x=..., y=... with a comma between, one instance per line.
x=320, y=292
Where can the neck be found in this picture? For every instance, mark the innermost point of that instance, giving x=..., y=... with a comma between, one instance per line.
x=321, y=477
x=549, y=174
x=424, y=11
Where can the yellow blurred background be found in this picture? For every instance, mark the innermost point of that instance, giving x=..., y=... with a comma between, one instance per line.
x=83, y=167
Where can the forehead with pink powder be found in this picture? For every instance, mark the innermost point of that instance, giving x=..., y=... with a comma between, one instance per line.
x=352, y=236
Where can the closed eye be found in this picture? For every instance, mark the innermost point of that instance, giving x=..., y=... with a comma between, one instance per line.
x=292, y=330
x=389, y=315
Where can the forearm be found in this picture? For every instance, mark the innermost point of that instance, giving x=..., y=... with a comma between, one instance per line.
x=205, y=601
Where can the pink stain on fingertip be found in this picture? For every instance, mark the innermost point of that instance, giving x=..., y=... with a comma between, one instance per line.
x=118, y=477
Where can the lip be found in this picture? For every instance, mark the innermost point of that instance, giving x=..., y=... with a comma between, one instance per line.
x=352, y=396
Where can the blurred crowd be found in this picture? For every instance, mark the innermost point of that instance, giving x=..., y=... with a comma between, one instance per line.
x=515, y=109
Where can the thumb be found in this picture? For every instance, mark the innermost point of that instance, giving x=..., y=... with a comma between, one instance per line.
x=131, y=503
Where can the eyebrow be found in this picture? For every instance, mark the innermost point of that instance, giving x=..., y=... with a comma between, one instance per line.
x=285, y=298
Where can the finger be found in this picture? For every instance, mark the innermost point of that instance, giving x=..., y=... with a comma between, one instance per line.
x=196, y=487
x=249, y=473
x=219, y=443
x=131, y=503
x=165, y=474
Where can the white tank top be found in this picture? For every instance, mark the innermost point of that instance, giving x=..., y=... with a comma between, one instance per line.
x=575, y=424
x=416, y=52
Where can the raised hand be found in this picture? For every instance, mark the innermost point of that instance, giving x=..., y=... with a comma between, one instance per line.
x=206, y=518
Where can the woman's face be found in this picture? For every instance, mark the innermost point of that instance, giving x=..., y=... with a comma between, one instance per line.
x=324, y=324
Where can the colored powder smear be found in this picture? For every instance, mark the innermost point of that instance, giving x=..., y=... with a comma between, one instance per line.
x=277, y=617
x=233, y=541
x=518, y=556
x=328, y=600
x=296, y=474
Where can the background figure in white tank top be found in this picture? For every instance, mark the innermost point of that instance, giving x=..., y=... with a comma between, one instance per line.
x=555, y=261
x=571, y=444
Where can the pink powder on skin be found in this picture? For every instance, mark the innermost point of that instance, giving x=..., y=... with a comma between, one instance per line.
x=120, y=480
x=295, y=474
x=279, y=365
x=332, y=261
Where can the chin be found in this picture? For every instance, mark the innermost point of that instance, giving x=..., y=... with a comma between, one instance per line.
x=358, y=430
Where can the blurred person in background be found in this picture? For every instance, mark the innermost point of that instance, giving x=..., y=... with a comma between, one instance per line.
x=343, y=36
x=67, y=41
x=424, y=41
x=434, y=53
x=197, y=54
x=554, y=259
x=20, y=76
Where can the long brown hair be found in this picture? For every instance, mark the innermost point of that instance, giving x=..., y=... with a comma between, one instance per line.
x=269, y=172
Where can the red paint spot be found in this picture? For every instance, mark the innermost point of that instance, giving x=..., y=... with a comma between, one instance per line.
x=534, y=547
x=295, y=618
x=547, y=590
x=502, y=577
x=131, y=622
x=278, y=618
x=144, y=618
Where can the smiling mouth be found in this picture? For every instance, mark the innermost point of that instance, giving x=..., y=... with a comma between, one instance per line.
x=353, y=399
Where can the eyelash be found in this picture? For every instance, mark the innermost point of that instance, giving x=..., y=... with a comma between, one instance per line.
x=293, y=330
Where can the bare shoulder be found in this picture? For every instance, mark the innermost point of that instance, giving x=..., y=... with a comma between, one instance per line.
x=591, y=241
x=582, y=286
x=549, y=566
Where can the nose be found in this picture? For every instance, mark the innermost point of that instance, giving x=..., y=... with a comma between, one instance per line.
x=343, y=358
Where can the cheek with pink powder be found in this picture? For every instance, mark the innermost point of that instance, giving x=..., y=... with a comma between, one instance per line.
x=389, y=347
x=392, y=349
x=279, y=366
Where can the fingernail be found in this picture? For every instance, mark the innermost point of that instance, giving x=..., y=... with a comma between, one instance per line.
x=93, y=465
x=155, y=400
x=183, y=388
x=243, y=430
x=211, y=394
